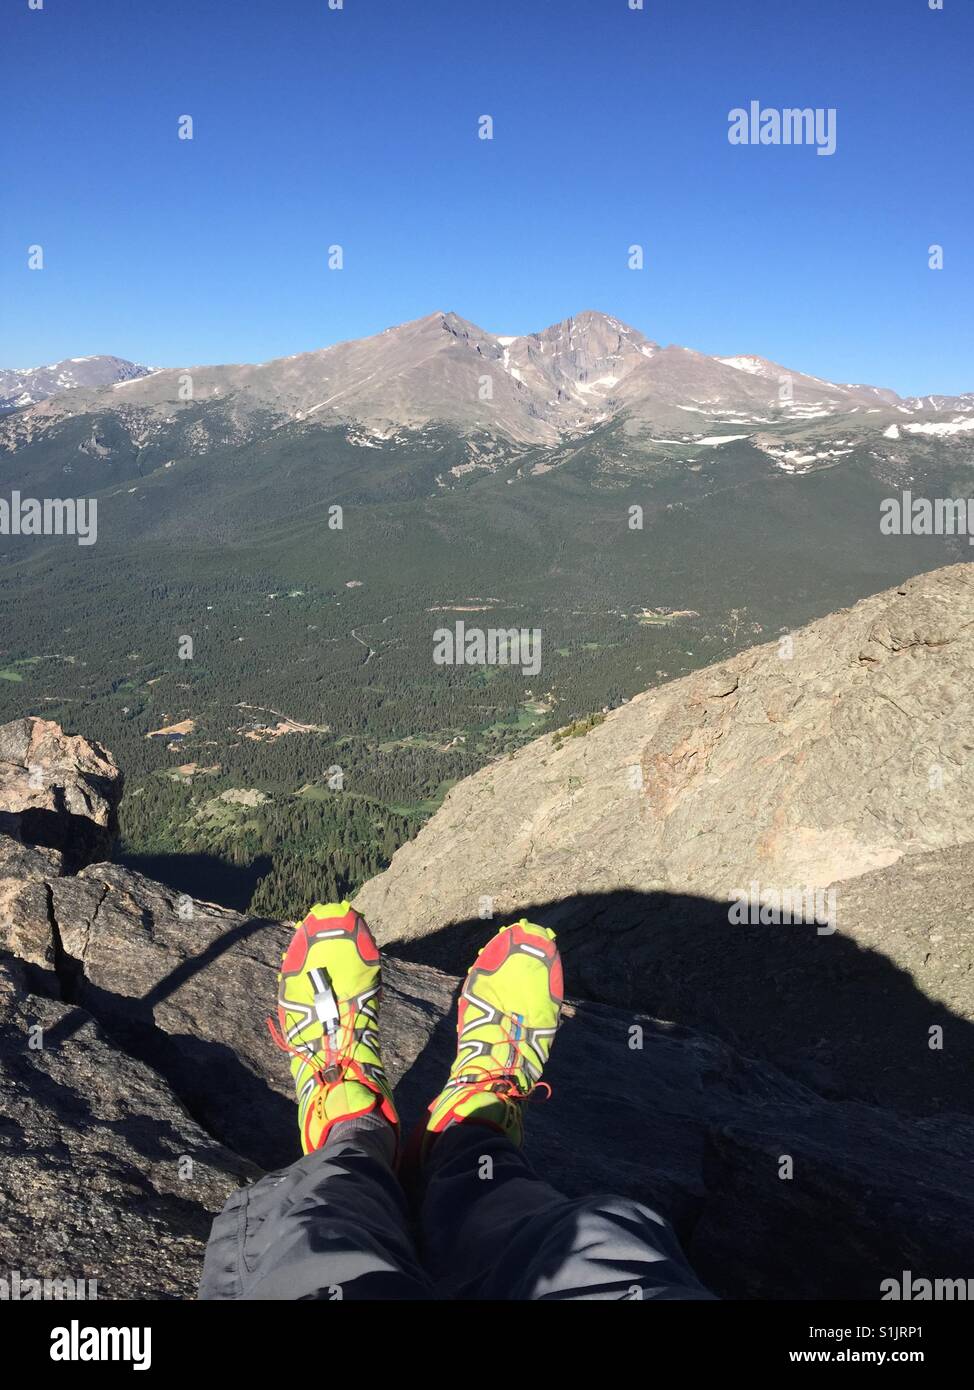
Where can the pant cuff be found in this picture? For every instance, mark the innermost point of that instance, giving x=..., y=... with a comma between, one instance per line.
x=374, y=1129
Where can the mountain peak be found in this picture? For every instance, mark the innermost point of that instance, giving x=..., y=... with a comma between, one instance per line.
x=24, y=386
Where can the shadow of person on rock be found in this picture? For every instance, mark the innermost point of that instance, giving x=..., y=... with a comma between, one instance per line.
x=839, y=1017
x=767, y=1106
x=202, y=876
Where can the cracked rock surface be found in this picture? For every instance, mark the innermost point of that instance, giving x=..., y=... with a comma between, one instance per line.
x=103, y=1174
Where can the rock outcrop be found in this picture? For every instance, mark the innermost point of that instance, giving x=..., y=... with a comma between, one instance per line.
x=103, y=1174
x=57, y=791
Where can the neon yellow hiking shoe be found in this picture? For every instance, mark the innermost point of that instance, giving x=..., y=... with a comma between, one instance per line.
x=328, y=1015
x=507, y=1019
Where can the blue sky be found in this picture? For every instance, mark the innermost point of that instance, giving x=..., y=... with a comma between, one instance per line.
x=359, y=127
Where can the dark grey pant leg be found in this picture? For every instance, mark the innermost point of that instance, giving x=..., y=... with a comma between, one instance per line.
x=334, y=1225
x=493, y=1229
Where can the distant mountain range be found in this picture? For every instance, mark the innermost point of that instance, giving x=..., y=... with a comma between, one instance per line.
x=537, y=389
x=26, y=386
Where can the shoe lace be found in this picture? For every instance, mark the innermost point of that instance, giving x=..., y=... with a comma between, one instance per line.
x=336, y=1045
x=506, y=1082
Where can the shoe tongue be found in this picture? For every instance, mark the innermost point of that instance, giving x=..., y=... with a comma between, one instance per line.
x=325, y=1003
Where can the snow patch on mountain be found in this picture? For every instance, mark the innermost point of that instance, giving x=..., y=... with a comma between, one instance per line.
x=946, y=427
x=754, y=365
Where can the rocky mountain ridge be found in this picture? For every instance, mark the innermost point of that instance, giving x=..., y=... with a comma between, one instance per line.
x=536, y=389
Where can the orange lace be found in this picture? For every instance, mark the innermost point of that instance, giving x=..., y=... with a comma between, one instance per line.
x=504, y=1082
x=335, y=1059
